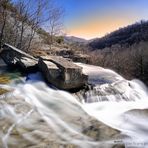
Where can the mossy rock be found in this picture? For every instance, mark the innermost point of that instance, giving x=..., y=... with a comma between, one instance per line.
x=3, y=91
x=5, y=78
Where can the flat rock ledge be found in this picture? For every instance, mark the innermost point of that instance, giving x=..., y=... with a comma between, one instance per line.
x=61, y=72
x=58, y=71
x=16, y=58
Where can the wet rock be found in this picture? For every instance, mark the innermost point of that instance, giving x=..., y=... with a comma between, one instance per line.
x=83, y=58
x=50, y=71
x=27, y=64
x=58, y=71
x=14, y=57
x=62, y=73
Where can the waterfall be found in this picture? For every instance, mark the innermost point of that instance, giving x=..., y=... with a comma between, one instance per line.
x=113, y=112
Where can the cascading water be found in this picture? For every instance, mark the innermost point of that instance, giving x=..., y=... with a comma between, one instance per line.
x=112, y=113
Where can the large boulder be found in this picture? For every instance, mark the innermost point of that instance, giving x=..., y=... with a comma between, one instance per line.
x=58, y=71
x=27, y=64
x=14, y=57
x=83, y=58
x=61, y=72
x=50, y=71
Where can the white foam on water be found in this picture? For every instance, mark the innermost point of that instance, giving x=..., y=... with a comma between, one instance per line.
x=65, y=116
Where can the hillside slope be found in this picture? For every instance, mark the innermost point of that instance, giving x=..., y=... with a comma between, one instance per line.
x=128, y=36
x=73, y=39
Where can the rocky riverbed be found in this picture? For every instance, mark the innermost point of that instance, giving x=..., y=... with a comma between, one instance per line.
x=34, y=115
x=33, y=124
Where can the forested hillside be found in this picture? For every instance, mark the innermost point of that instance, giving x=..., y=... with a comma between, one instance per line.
x=124, y=50
x=126, y=36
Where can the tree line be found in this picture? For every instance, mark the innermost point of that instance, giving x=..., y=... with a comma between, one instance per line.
x=131, y=62
x=125, y=36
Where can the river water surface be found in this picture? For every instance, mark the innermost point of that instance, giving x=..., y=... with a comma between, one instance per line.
x=114, y=113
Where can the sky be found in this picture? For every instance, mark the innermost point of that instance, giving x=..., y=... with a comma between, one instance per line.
x=95, y=18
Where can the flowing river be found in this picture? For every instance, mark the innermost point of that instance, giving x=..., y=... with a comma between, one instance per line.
x=113, y=113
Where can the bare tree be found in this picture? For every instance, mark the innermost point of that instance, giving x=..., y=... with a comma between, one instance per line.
x=33, y=19
x=37, y=19
x=23, y=17
x=4, y=4
x=19, y=25
x=55, y=23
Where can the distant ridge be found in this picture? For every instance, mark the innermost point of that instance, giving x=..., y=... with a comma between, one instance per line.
x=124, y=36
x=73, y=39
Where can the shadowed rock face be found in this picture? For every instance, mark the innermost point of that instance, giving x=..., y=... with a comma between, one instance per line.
x=14, y=57
x=62, y=73
x=83, y=58
x=27, y=64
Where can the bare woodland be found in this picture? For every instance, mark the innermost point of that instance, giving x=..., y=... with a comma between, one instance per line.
x=124, y=50
x=131, y=62
x=21, y=21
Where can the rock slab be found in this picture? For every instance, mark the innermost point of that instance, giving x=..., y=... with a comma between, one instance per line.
x=58, y=71
x=14, y=57
x=63, y=74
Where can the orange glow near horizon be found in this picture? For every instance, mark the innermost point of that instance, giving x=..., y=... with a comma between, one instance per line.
x=95, y=18
x=93, y=28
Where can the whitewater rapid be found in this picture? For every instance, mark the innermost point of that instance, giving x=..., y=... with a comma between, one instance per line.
x=35, y=115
